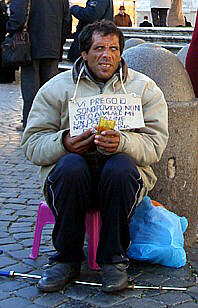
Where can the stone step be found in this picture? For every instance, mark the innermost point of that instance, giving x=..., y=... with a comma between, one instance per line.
x=176, y=31
x=156, y=38
x=65, y=65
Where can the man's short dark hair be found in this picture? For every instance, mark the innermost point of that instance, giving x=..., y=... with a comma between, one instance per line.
x=105, y=27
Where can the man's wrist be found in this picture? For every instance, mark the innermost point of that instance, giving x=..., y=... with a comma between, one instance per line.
x=63, y=139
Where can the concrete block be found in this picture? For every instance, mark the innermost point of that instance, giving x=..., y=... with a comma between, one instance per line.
x=132, y=42
x=177, y=171
x=182, y=54
x=164, y=68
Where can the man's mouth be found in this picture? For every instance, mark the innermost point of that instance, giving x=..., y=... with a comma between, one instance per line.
x=105, y=65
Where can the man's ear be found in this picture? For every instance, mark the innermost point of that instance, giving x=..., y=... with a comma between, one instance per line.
x=84, y=55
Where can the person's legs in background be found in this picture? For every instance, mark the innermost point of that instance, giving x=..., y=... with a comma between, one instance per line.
x=155, y=17
x=163, y=17
x=48, y=69
x=30, y=83
x=33, y=76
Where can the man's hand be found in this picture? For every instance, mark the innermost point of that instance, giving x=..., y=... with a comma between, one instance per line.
x=78, y=144
x=108, y=140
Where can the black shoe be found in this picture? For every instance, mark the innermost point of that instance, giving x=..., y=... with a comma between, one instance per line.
x=56, y=277
x=115, y=277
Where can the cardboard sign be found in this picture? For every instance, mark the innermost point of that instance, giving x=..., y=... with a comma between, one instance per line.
x=125, y=109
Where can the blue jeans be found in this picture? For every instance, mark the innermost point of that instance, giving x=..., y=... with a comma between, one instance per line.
x=74, y=187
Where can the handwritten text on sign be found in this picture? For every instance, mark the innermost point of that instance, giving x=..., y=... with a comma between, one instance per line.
x=125, y=109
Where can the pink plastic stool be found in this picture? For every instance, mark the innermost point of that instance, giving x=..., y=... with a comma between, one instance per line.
x=93, y=224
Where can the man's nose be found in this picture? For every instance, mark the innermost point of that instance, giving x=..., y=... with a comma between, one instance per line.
x=107, y=53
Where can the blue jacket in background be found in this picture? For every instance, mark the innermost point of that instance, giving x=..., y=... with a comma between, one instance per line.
x=48, y=26
x=94, y=10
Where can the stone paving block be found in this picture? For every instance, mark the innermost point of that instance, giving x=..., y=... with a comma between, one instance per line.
x=13, y=190
x=22, y=224
x=34, y=202
x=4, y=229
x=37, y=263
x=19, y=230
x=19, y=236
x=4, y=224
x=8, y=195
x=27, y=243
x=180, y=283
x=12, y=247
x=16, y=200
x=49, y=249
x=34, y=306
x=14, y=302
x=174, y=272
x=28, y=292
x=48, y=231
x=7, y=179
x=32, y=196
x=6, y=261
x=18, y=268
x=13, y=285
x=7, y=212
x=104, y=300
x=76, y=304
x=26, y=213
x=187, y=305
x=7, y=241
x=8, y=218
x=14, y=206
x=4, y=234
x=29, y=186
x=27, y=219
x=139, y=302
x=173, y=298
x=9, y=185
x=50, y=299
x=193, y=292
x=20, y=255
x=4, y=295
x=33, y=190
x=146, y=278
x=79, y=292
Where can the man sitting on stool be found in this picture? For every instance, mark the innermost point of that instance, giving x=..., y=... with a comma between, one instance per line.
x=109, y=171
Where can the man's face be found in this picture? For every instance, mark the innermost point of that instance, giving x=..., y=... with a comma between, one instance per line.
x=104, y=56
x=122, y=12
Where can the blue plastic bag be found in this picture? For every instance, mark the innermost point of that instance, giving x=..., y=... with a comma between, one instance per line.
x=157, y=235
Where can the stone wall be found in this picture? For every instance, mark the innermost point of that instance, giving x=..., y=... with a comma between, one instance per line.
x=177, y=171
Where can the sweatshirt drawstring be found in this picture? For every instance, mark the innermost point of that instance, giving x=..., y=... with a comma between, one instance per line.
x=122, y=84
x=77, y=83
x=121, y=80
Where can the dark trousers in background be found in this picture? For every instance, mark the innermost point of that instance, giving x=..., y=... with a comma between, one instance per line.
x=159, y=16
x=74, y=51
x=73, y=188
x=33, y=77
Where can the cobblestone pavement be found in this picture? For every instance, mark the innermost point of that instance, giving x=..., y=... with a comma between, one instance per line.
x=19, y=197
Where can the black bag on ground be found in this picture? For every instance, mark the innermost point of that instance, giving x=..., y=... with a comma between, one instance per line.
x=16, y=50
